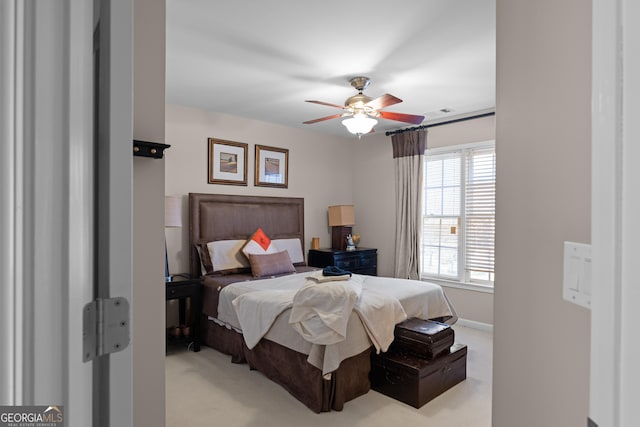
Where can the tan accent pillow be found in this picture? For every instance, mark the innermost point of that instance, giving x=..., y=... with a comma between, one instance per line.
x=271, y=264
x=226, y=257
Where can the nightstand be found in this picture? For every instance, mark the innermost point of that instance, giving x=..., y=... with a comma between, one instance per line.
x=182, y=287
x=360, y=261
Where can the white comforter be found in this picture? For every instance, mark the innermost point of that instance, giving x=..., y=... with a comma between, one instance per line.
x=362, y=313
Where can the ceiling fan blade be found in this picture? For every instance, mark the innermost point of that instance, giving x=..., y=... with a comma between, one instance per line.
x=327, y=104
x=335, y=116
x=383, y=101
x=400, y=117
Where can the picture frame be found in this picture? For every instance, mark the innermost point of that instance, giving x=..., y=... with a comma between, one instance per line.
x=271, y=167
x=227, y=162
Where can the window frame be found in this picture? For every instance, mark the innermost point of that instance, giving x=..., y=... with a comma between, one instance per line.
x=462, y=280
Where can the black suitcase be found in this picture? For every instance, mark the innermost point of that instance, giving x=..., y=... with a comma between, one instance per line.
x=414, y=380
x=424, y=338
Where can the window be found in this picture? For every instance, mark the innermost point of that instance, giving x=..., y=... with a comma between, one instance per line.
x=459, y=214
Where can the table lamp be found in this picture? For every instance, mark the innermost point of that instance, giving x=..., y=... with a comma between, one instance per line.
x=341, y=220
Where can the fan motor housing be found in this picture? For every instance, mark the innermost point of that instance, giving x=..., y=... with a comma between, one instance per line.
x=357, y=101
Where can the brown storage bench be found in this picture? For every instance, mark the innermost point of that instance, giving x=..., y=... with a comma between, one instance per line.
x=414, y=380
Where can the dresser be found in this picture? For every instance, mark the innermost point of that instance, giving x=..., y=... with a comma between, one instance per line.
x=360, y=261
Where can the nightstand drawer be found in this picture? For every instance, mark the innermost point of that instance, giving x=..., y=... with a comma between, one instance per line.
x=183, y=288
x=180, y=292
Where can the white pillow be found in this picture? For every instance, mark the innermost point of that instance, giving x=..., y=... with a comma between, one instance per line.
x=226, y=255
x=293, y=246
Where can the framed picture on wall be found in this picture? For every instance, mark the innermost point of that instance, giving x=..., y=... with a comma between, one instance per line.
x=272, y=167
x=227, y=162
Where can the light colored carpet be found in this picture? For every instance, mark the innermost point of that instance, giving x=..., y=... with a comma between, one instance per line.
x=206, y=389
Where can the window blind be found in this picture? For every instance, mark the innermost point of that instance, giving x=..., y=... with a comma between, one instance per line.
x=480, y=199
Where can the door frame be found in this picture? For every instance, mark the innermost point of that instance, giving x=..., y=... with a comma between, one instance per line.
x=113, y=399
x=615, y=209
x=48, y=193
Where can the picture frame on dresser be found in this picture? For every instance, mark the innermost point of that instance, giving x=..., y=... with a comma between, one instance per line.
x=227, y=162
x=271, y=167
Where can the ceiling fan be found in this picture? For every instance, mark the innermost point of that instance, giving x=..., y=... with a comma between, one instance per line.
x=362, y=109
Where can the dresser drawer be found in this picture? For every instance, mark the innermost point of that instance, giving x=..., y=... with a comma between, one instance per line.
x=355, y=261
x=360, y=261
x=373, y=271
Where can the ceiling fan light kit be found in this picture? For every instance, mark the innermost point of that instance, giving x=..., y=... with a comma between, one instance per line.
x=359, y=124
x=362, y=109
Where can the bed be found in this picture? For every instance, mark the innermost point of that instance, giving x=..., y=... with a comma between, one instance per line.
x=323, y=377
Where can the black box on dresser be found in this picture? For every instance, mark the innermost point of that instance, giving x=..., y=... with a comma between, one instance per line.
x=414, y=380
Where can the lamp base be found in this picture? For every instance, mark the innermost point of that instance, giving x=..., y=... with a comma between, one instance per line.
x=339, y=237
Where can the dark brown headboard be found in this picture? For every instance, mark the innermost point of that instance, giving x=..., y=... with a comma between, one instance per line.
x=227, y=217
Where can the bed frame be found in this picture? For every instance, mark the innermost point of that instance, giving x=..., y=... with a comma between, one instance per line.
x=221, y=217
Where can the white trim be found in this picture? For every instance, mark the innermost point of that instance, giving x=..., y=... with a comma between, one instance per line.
x=43, y=321
x=18, y=209
x=605, y=208
x=115, y=195
x=630, y=211
x=487, y=327
x=459, y=285
x=8, y=174
x=80, y=212
x=490, y=143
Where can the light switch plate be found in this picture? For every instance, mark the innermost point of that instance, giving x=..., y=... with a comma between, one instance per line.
x=576, y=284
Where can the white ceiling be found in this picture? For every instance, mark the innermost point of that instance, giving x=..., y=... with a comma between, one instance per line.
x=263, y=59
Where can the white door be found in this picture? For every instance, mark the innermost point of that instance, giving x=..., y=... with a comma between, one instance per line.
x=57, y=173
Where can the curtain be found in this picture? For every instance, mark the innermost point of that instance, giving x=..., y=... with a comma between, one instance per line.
x=408, y=157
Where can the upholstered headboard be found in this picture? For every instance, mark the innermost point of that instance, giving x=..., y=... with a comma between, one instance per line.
x=227, y=217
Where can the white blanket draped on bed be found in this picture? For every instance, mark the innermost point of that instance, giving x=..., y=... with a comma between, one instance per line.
x=320, y=311
x=263, y=308
x=258, y=310
x=377, y=311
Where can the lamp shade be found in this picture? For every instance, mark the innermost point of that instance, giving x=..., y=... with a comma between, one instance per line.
x=342, y=215
x=172, y=211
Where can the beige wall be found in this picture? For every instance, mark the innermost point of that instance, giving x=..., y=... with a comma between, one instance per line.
x=374, y=196
x=319, y=169
x=541, y=342
x=148, y=311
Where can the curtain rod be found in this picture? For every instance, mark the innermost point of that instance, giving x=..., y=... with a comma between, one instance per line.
x=393, y=132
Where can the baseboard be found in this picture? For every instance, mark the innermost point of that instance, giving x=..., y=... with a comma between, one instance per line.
x=488, y=327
